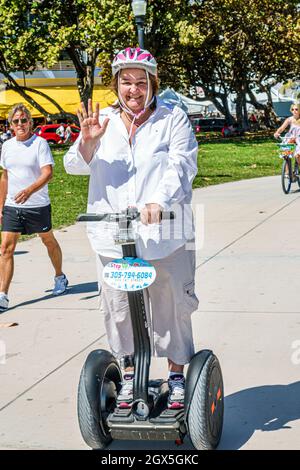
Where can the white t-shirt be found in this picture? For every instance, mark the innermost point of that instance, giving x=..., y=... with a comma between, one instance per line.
x=60, y=131
x=23, y=161
x=158, y=167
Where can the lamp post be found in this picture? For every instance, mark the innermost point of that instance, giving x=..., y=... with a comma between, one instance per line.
x=139, y=11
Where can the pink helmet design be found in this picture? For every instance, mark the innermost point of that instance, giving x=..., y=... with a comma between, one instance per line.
x=134, y=58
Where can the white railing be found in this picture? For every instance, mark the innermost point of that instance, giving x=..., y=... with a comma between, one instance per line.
x=61, y=65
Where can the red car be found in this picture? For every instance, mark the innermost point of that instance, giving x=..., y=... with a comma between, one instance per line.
x=48, y=132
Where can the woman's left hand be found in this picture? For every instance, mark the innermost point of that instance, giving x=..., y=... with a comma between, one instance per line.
x=151, y=214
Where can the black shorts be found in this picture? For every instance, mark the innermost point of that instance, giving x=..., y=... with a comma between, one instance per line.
x=26, y=220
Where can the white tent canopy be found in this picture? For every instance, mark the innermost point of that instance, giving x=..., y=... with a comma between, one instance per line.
x=173, y=98
x=190, y=106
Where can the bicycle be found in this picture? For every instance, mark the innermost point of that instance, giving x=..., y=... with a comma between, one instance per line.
x=290, y=167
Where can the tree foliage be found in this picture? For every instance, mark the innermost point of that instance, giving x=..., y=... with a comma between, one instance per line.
x=226, y=46
x=237, y=47
x=38, y=31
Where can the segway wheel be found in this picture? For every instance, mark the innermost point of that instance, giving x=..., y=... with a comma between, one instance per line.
x=205, y=418
x=98, y=386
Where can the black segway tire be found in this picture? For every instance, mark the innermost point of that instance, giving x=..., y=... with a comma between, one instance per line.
x=98, y=386
x=206, y=410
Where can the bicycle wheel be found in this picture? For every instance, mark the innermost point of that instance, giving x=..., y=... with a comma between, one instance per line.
x=286, y=176
x=296, y=172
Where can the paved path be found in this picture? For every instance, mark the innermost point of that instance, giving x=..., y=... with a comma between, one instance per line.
x=248, y=272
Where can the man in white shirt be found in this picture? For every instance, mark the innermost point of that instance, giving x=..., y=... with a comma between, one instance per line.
x=25, y=206
x=142, y=154
x=60, y=131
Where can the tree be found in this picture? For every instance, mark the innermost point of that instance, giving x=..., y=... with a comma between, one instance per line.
x=21, y=47
x=85, y=29
x=37, y=31
x=226, y=47
x=237, y=47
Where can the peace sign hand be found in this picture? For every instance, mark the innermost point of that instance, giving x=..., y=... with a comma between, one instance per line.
x=91, y=129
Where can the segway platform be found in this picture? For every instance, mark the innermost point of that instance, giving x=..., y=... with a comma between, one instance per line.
x=161, y=424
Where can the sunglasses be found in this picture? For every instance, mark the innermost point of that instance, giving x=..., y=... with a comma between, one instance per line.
x=295, y=109
x=22, y=121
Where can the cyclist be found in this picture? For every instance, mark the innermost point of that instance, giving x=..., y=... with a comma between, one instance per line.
x=294, y=130
x=140, y=153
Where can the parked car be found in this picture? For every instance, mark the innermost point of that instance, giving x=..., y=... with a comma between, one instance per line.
x=48, y=132
x=208, y=124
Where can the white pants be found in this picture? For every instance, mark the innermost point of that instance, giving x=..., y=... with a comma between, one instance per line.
x=172, y=300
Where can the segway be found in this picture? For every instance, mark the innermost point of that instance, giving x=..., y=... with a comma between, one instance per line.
x=149, y=418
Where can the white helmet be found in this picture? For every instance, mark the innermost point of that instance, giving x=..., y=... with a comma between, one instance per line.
x=134, y=58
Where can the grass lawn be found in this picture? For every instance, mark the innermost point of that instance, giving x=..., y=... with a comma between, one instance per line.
x=232, y=160
x=218, y=162
x=68, y=193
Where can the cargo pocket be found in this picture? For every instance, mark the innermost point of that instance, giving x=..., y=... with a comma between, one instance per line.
x=190, y=297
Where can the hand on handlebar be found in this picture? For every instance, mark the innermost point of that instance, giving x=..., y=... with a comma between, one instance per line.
x=91, y=129
x=151, y=214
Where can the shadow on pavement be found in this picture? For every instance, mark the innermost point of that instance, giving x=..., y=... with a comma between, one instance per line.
x=84, y=288
x=264, y=408
x=73, y=289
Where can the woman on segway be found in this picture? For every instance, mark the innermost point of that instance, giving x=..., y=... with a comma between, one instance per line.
x=141, y=153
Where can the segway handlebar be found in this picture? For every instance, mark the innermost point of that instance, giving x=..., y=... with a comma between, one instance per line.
x=128, y=214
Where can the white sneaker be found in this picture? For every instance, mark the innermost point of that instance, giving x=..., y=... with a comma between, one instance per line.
x=176, y=391
x=3, y=302
x=125, y=396
x=60, y=285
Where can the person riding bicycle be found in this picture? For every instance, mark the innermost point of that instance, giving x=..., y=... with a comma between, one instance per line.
x=140, y=153
x=294, y=130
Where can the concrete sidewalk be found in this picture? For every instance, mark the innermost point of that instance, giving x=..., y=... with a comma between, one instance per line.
x=249, y=314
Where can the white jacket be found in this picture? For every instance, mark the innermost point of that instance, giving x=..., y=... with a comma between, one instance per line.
x=158, y=167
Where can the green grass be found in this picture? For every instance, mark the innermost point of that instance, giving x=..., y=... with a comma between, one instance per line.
x=232, y=160
x=68, y=193
x=218, y=162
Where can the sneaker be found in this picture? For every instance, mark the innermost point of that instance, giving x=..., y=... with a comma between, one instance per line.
x=125, y=397
x=3, y=302
x=60, y=285
x=176, y=385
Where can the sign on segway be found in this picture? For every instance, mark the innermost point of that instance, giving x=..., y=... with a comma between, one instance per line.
x=129, y=274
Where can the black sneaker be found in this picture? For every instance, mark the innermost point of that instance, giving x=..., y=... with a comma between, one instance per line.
x=125, y=396
x=176, y=391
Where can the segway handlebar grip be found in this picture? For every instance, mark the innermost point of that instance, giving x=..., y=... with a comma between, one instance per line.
x=90, y=217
